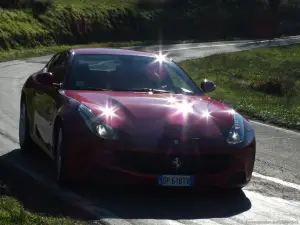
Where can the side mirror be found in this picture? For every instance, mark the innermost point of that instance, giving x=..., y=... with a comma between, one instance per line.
x=207, y=86
x=45, y=78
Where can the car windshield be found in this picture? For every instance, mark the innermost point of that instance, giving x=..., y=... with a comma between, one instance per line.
x=128, y=73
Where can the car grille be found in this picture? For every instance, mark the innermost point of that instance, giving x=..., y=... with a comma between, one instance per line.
x=164, y=142
x=158, y=163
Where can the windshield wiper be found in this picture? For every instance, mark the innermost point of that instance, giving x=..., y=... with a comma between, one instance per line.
x=154, y=90
x=96, y=89
x=129, y=89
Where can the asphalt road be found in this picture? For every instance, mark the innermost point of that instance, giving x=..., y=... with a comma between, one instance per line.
x=273, y=196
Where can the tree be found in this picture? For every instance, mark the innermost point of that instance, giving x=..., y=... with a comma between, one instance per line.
x=274, y=4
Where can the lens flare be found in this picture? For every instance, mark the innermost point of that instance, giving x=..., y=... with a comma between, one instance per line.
x=206, y=114
x=171, y=100
x=185, y=107
x=109, y=112
x=160, y=57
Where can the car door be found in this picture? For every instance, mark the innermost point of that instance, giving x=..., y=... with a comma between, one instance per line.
x=45, y=101
x=40, y=102
x=58, y=70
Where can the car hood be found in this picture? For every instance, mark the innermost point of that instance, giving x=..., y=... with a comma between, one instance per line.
x=145, y=113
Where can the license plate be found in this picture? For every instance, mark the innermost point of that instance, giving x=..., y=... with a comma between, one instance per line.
x=176, y=180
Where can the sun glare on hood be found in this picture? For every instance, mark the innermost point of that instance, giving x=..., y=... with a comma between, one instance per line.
x=230, y=111
x=185, y=108
x=108, y=111
x=206, y=114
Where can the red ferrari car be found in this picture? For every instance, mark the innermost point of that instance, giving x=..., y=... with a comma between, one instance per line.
x=129, y=117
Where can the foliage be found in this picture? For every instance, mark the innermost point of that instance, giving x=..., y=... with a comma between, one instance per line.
x=55, y=22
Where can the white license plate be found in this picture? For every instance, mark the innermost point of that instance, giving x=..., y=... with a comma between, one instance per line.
x=176, y=180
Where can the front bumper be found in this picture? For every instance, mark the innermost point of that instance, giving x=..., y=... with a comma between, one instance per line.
x=105, y=162
x=236, y=172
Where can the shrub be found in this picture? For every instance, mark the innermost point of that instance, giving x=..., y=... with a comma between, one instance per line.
x=111, y=21
x=12, y=4
x=40, y=6
x=278, y=86
x=20, y=29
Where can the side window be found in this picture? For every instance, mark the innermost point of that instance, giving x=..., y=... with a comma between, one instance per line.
x=49, y=64
x=177, y=80
x=58, y=67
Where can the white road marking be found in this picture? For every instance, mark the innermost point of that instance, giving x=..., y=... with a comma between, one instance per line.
x=114, y=221
x=277, y=181
x=203, y=222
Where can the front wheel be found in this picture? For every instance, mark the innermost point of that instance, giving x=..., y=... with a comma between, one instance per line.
x=60, y=159
x=25, y=140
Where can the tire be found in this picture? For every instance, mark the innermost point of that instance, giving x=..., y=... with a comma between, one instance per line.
x=60, y=159
x=231, y=190
x=25, y=140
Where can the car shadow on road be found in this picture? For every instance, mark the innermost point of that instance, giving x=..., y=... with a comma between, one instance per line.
x=173, y=204
x=35, y=188
x=125, y=202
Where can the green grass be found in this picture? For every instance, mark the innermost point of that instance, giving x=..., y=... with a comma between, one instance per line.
x=262, y=83
x=13, y=213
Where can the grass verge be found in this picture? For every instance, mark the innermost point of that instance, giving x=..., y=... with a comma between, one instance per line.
x=12, y=212
x=263, y=84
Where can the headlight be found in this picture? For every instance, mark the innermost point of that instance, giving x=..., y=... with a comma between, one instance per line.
x=95, y=124
x=236, y=134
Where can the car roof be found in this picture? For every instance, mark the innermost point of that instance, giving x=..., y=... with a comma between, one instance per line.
x=111, y=51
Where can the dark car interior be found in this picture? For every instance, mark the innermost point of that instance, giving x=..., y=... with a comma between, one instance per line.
x=122, y=77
